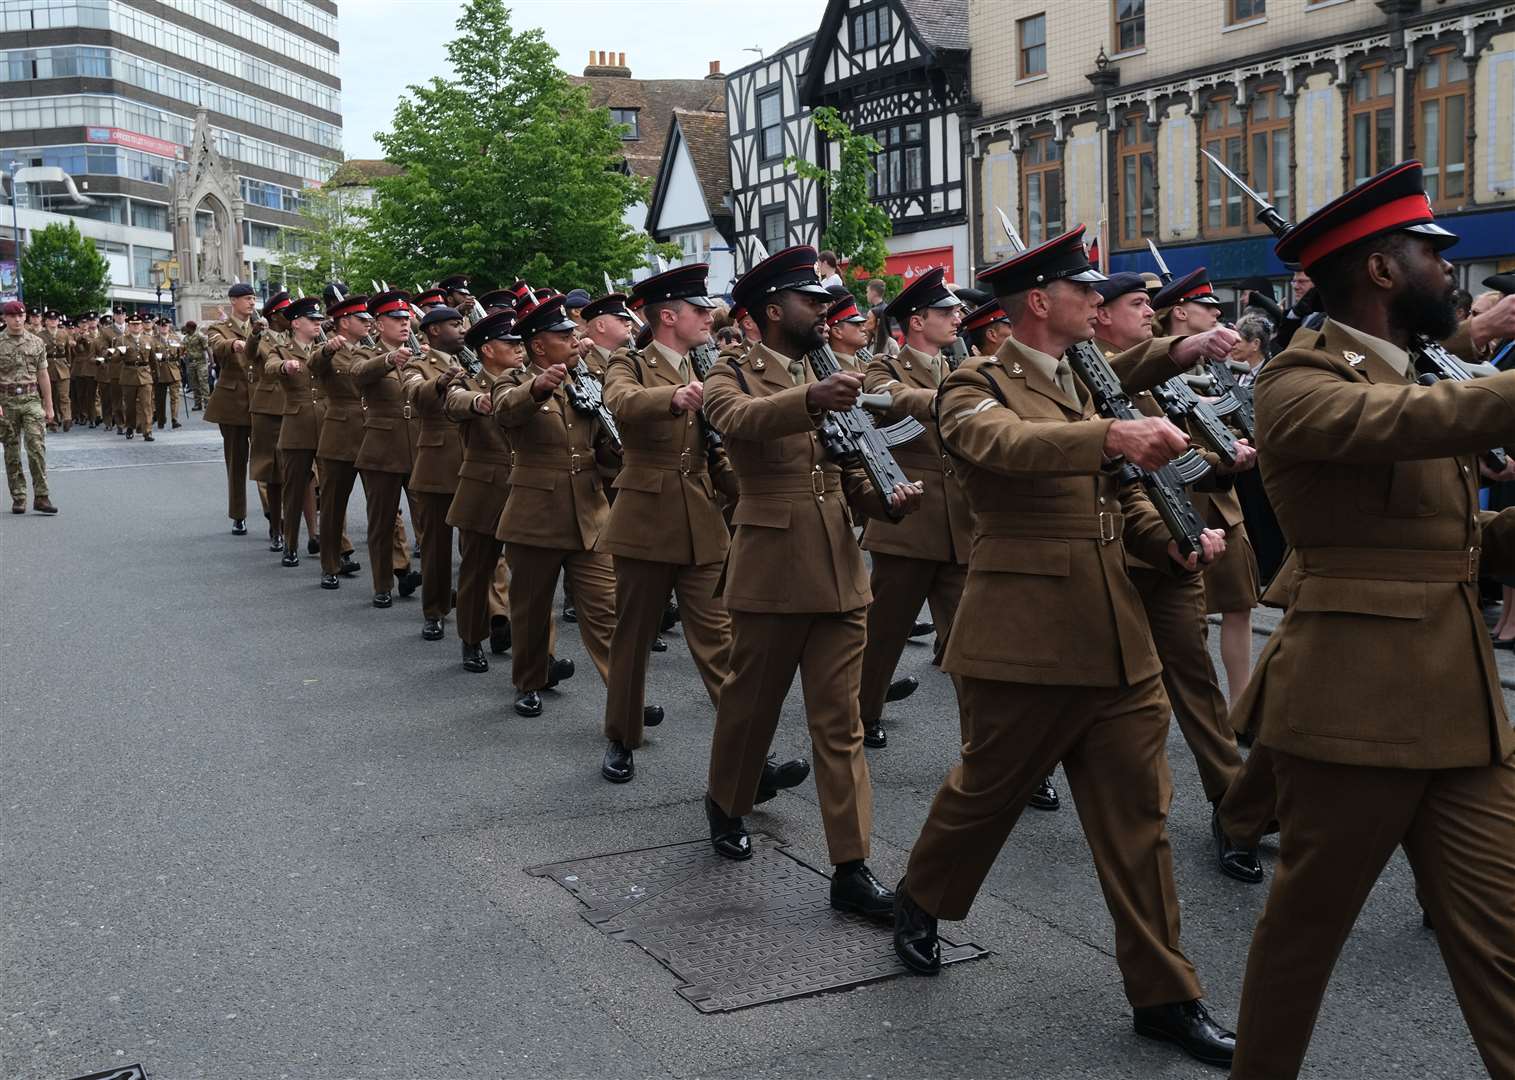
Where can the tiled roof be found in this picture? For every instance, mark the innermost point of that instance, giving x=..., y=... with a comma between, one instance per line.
x=705, y=135
x=943, y=24
x=655, y=100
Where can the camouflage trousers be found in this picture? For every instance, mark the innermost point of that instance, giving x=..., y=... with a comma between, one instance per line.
x=198, y=382
x=23, y=421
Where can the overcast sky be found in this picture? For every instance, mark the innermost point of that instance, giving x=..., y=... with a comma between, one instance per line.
x=389, y=44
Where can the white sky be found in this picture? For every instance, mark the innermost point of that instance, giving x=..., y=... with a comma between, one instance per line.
x=389, y=44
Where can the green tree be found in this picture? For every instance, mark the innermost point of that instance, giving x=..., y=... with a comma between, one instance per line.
x=306, y=260
x=61, y=270
x=508, y=171
x=856, y=226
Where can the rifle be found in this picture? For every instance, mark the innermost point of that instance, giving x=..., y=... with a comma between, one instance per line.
x=587, y=396
x=1235, y=400
x=701, y=358
x=1430, y=358
x=1164, y=486
x=852, y=435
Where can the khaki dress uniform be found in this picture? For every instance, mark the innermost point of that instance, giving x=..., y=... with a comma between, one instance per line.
x=1378, y=695
x=337, y=448
x=666, y=532
x=168, y=381
x=384, y=460
x=85, y=369
x=797, y=591
x=112, y=339
x=1055, y=659
x=553, y=516
x=299, y=429
x=483, y=484
x=433, y=477
x=60, y=373
x=266, y=407
x=924, y=557
x=228, y=408
x=136, y=383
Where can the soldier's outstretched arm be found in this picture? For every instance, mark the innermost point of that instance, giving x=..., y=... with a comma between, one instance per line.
x=739, y=415
x=977, y=427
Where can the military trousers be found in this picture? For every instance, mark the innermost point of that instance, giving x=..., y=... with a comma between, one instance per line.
x=85, y=409
x=533, y=584
x=401, y=559
x=137, y=407
x=168, y=402
x=1111, y=742
x=1251, y=803
x=826, y=649
x=263, y=462
x=900, y=586
x=1175, y=608
x=63, y=413
x=641, y=596
x=198, y=383
x=21, y=425
x=429, y=509
x=298, y=472
x=499, y=589
x=1340, y=824
x=386, y=552
x=234, y=440
x=108, y=412
x=337, y=478
x=479, y=562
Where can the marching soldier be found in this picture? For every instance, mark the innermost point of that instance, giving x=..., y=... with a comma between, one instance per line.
x=341, y=432
x=438, y=456
x=196, y=355
x=228, y=407
x=456, y=295
x=794, y=584
x=1187, y=305
x=483, y=484
x=111, y=342
x=85, y=370
x=666, y=532
x=389, y=444
x=136, y=385
x=987, y=328
x=608, y=327
x=1052, y=652
x=1378, y=696
x=55, y=340
x=556, y=508
x=290, y=365
x=266, y=406
x=26, y=408
x=168, y=376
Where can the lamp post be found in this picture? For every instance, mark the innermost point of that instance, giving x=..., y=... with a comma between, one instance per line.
x=16, y=229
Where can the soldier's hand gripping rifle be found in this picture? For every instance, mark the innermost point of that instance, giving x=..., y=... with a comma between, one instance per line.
x=586, y=395
x=852, y=436
x=1431, y=360
x=1164, y=486
x=701, y=358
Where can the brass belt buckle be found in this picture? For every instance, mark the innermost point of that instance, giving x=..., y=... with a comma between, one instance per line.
x=405, y=411
x=684, y=466
x=1106, y=527
x=512, y=459
x=573, y=463
x=817, y=482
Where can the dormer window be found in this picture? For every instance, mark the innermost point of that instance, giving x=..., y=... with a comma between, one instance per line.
x=626, y=120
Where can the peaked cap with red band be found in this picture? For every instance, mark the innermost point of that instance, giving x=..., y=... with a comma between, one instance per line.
x=1062, y=258
x=1193, y=287
x=984, y=316
x=929, y=290
x=387, y=303
x=348, y=305
x=1393, y=201
x=277, y=302
x=792, y=269
x=427, y=297
x=844, y=310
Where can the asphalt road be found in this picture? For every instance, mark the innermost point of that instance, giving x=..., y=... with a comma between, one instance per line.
x=255, y=829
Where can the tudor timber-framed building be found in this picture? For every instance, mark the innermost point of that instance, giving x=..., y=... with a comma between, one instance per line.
x=1302, y=97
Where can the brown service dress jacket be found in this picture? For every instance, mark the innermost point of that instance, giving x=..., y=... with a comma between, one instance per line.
x=267, y=395
x=439, y=451
x=85, y=356
x=942, y=530
x=1047, y=599
x=484, y=476
x=342, y=423
x=1382, y=658
x=301, y=429
x=390, y=427
x=665, y=508
x=557, y=497
x=793, y=550
x=137, y=361
x=229, y=401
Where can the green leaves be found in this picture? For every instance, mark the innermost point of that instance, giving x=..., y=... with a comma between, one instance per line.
x=857, y=227
x=61, y=270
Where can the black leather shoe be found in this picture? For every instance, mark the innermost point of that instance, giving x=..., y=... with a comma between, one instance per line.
x=329, y=581
x=147, y=436
x=382, y=599
x=874, y=735
x=671, y=616
x=349, y=566
x=528, y=703
x=410, y=581
x=291, y=558
x=239, y=527
x=1044, y=797
x=474, y=659
x=659, y=645
x=617, y=766
x=900, y=689
x=855, y=889
x=779, y=777
x=1235, y=862
x=312, y=546
x=499, y=635
x=921, y=629
x=558, y=671
x=431, y=630
x=130, y=435
x=276, y=542
x=1190, y=1027
x=570, y=613
x=652, y=715
x=727, y=834
x=915, y=940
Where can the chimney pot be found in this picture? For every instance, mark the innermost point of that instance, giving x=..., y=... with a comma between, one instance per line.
x=602, y=58
x=715, y=67
x=621, y=62
x=591, y=58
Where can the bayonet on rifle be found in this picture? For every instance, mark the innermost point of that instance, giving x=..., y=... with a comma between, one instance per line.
x=1162, y=267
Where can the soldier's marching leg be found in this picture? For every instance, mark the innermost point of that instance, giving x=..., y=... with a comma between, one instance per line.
x=533, y=584
x=478, y=558
x=430, y=511
x=175, y=402
x=295, y=466
x=145, y=410
x=830, y=667
x=381, y=493
x=400, y=541
x=641, y=593
x=499, y=606
x=900, y=586
x=63, y=413
x=234, y=441
x=592, y=577
x=15, y=478
x=336, y=490
x=1250, y=807
x=33, y=436
x=160, y=403
x=706, y=623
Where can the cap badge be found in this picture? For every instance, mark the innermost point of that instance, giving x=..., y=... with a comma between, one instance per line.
x=1016, y=369
x=652, y=361
x=758, y=364
x=1353, y=358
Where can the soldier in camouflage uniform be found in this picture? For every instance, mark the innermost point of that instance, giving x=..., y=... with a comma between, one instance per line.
x=197, y=357
x=26, y=404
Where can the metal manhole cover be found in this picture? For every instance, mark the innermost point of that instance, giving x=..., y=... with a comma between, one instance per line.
x=737, y=934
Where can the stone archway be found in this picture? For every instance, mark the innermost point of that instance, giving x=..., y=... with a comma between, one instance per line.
x=209, y=252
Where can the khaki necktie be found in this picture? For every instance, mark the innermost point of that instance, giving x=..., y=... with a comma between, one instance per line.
x=1065, y=380
x=797, y=371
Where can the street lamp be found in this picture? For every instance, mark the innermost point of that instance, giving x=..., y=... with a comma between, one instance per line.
x=16, y=229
